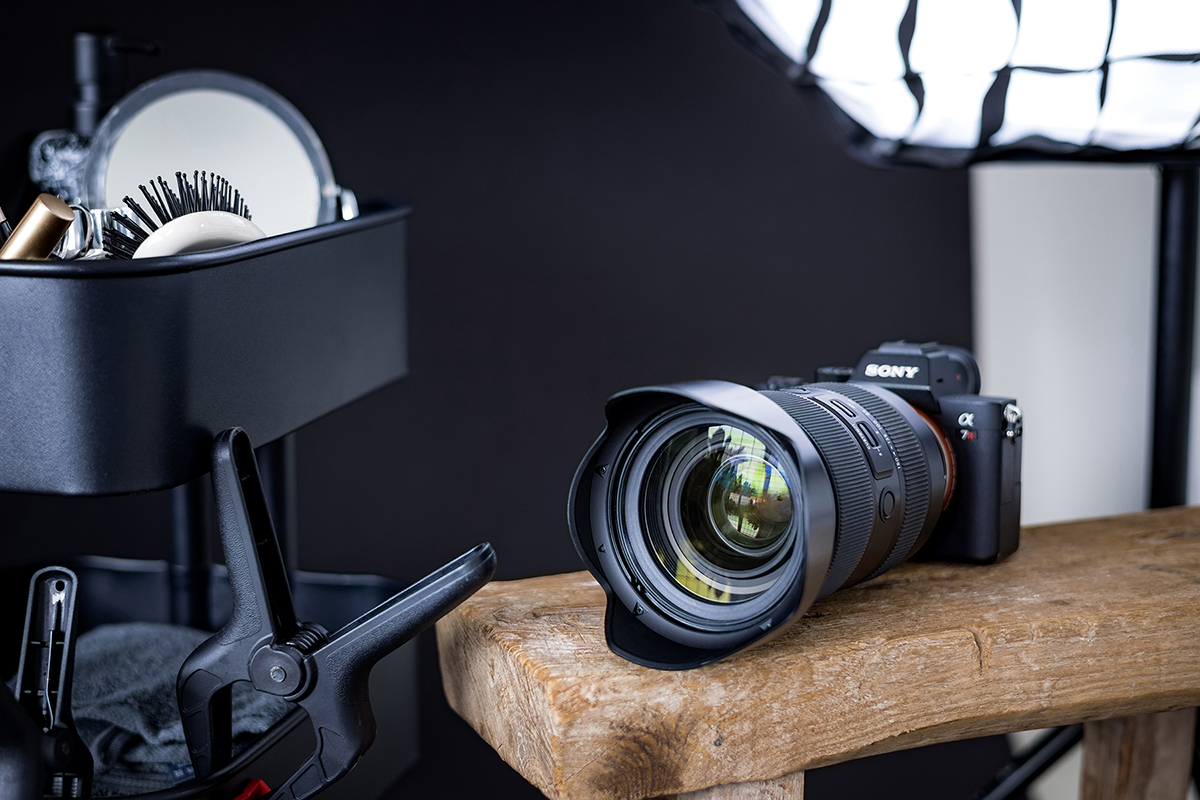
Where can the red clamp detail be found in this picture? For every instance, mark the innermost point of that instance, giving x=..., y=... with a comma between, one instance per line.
x=254, y=790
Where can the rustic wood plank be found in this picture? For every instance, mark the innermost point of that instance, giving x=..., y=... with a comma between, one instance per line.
x=1143, y=757
x=1088, y=620
x=788, y=787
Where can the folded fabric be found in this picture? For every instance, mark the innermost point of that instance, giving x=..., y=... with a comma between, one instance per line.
x=125, y=709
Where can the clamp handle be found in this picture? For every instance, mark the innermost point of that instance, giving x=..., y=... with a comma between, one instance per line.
x=262, y=598
x=44, y=679
x=266, y=644
x=263, y=613
x=340, y=707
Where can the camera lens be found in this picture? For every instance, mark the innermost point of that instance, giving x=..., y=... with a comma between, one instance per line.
x=716, y=506
x=715, y=514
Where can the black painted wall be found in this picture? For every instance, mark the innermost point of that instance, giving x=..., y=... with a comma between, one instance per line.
x=606, y=195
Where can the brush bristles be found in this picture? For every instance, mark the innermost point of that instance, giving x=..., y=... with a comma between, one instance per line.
x=205, y=192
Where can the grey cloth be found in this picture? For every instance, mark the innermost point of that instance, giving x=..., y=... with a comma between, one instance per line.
x=124, y=705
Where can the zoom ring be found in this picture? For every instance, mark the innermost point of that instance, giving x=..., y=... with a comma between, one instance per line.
x=913, y=469
x=852, y=483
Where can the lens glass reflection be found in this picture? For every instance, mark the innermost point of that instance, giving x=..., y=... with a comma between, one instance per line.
x=717, y=508
x=750, y=502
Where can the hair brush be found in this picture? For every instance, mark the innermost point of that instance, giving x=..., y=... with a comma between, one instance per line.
x=205, y=214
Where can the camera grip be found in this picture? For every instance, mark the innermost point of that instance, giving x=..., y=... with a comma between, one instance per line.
x=982, y=523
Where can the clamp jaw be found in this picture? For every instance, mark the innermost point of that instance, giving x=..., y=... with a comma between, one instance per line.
x=264, y=642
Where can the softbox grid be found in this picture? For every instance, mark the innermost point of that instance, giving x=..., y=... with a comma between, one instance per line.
x=948, y=82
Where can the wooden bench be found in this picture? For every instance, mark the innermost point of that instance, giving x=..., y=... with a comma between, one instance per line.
x=1092, y=620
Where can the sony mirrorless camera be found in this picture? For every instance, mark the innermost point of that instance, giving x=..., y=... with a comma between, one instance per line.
x=714, y=515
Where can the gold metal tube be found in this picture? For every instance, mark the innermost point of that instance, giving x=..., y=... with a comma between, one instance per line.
x=39, y=230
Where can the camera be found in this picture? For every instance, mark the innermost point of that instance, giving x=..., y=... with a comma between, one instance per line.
x=714, y=515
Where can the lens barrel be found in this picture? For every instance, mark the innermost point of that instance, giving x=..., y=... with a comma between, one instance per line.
x=889, y=472
x=713, y=515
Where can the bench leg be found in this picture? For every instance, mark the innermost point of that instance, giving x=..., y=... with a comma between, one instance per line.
x=1145, y=757
x=787, y=787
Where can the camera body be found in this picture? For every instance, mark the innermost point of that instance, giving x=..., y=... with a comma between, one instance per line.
x=714, y=515
x=982, y=522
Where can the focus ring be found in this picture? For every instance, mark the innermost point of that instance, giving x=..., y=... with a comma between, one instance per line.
x=852, y=484
x=913, y=469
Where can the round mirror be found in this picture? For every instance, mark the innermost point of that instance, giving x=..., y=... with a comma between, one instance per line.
x=220, y=123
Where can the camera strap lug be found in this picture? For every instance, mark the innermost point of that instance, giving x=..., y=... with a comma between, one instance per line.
x=1012, y=418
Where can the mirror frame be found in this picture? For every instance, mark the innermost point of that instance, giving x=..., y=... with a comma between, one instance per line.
x=128, y=107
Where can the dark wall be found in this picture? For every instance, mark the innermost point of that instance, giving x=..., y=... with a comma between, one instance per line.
x=606, y=195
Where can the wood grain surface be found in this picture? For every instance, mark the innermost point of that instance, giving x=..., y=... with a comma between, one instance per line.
x=788, y=787
x=1088, y=620
x=1143, y=757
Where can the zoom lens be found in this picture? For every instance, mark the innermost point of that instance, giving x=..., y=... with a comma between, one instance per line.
x=716, y=504
x=714, y=514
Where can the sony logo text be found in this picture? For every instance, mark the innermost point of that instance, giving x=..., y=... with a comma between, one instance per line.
x=891, y=371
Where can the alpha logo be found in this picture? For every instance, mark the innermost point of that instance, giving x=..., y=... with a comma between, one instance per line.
x=891, y=371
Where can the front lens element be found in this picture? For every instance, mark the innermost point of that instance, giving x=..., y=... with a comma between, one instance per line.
x=750, y=503
x=717, y=507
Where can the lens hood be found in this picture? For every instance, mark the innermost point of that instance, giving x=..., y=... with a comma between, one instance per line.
x=635, y=626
